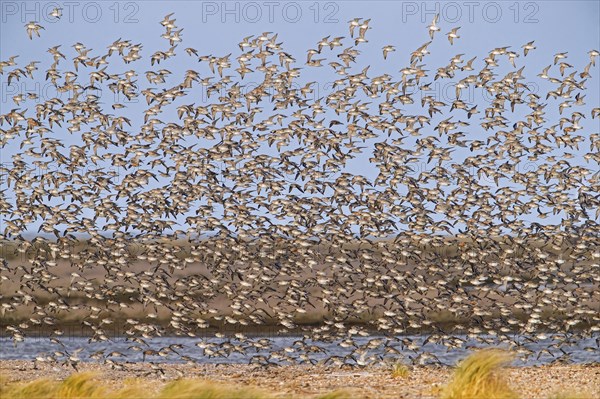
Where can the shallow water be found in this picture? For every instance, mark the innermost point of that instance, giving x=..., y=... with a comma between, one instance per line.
x=542, y=352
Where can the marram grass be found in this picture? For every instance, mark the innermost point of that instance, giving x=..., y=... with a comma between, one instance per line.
x=480, y=376
x=89, y=386
x=193, y=389
x=335, y=395
x=80, y=385
x=86, y=385
x=400, y=370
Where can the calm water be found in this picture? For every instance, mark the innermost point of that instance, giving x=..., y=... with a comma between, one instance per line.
x=582, y=351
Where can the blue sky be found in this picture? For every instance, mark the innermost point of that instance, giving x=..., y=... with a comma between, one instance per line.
x=217, y=27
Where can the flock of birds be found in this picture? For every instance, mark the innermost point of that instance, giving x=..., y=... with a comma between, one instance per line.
x=381, y=207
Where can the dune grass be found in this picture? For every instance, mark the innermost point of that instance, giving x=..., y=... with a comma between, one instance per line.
x=480, y=376
x=88, y=385
x=400, y=370
x=193, y=389
x=336, y=395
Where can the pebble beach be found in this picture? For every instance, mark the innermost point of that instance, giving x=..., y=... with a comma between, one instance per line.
x=311, y=381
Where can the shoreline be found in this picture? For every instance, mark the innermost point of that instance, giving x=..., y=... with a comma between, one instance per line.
x=310, y=381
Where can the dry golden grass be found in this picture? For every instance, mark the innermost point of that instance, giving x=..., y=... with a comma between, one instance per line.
x=194, y=389
x=479, y=376
x=400, y=370
x=87, y=385
x=335, y=395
